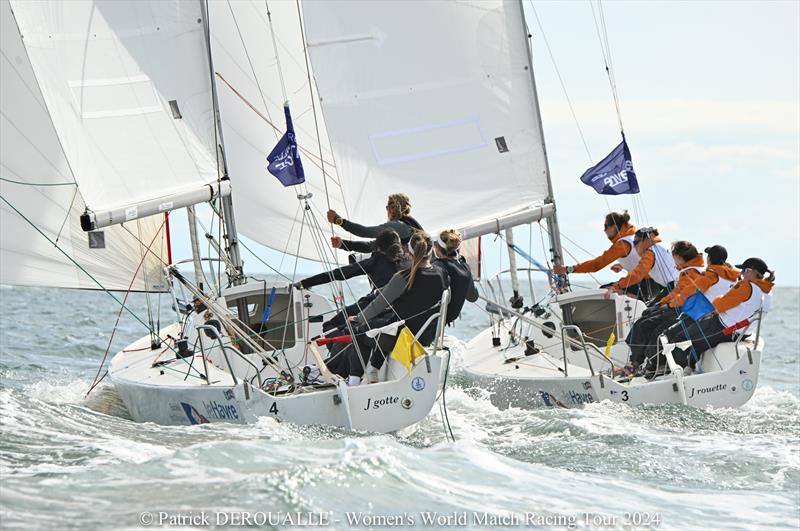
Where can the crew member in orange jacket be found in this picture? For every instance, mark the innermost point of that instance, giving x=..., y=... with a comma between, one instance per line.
x=716, y=280
x=656, y=265
x=739, y=304
x=720, y=275
x=620, y=231
x=644, y=333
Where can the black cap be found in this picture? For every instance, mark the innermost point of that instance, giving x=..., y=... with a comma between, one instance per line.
x=756, y=264
x=717, y=254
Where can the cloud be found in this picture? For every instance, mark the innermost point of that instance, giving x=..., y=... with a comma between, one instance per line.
x=677, y=115
x=726, y=160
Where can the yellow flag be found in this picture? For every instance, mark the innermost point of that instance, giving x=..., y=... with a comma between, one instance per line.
x=407, y=349
x=609, y=343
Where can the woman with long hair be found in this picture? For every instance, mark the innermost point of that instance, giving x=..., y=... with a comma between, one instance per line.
x=412, y=295
x=387, y=258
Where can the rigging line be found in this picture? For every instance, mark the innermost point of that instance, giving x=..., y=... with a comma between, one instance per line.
x=338, y=179
x=605, y=48
x=214, y=276
x=119, y=314
x=66, y=216
x=570, y=240
x=264, y=262
x=336, y=300
x=314, y=108
x=360, y=310
x=51, y=198
x=321, y=250
x=576, y=261
x=269, y=121
x=79, y=266
x=290, y=301
x=205, y=231
x=611, y=73
x=148, y=250
x=275, y=49
x=146, y=276
x=253, y=253
x=34, y=184
x=561, y=81
x=291, y=231
x=250, y=62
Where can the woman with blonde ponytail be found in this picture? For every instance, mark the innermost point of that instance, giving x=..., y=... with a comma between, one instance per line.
x=462, y=286
x=412, y=296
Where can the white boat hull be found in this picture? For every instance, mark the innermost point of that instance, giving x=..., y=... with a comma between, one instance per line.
x=164, y=394
x=517, y=377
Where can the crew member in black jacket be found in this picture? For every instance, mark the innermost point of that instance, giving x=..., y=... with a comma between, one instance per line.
x=387, y=258
x=462, y=286
x=398, y=212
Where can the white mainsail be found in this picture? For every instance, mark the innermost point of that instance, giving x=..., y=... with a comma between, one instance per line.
x=434, y=99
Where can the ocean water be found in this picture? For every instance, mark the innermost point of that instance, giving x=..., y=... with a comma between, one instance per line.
x=70, y=462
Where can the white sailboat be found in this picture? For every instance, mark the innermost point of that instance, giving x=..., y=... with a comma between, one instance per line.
x=564, y=350
x=114, y=114
x=557, y=357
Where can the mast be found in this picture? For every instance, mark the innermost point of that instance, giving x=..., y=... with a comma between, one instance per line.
x=230, y=236
x=552, y=219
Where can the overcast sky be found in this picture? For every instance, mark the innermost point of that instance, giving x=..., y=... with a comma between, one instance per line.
x=710, y=100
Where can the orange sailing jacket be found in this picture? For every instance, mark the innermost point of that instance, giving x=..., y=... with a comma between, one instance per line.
x=739, y=293
x=619, y=249
x=689, y=281
x=726, y=271
x=646, y=262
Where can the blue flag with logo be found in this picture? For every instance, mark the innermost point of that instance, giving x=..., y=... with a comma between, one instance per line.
x=284, y=160
x=614, y=174
x=697, y=306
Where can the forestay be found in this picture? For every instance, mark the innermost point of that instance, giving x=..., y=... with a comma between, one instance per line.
x=38, y=181
x=433, y=99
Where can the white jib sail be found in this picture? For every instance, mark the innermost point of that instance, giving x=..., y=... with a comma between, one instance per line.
x=38, y=181
x=128, y=88
x=433, y=99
